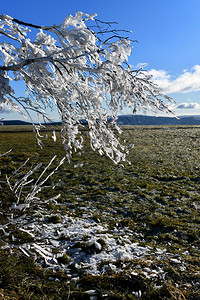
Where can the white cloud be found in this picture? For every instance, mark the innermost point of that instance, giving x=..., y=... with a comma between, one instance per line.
x=188, y=106
x=188, y=81
x=6, y=109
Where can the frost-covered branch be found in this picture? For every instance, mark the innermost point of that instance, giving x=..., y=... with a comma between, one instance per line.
x=23, y=189
x=81, y=68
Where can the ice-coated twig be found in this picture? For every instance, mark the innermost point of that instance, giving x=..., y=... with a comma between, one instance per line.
x=5, y=153
x=24, y=193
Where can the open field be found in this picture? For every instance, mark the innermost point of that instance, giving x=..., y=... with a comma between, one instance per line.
x=119, y=231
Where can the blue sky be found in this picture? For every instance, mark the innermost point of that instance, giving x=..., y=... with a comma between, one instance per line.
x=168, y=32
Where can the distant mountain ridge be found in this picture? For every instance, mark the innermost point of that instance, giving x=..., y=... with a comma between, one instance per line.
x=15, y=122
x=134, y=120
x=153, y=120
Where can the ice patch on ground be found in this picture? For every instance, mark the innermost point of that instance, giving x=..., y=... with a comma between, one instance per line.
x=84, y=246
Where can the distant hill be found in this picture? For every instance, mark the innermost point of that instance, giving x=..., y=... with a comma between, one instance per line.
x=15, y=122
x=153, y=120
x=133, y=120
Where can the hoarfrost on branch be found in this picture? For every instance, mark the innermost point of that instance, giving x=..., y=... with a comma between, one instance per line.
x=81, y=68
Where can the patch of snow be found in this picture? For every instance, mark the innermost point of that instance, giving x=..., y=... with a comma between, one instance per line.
x=90, y=246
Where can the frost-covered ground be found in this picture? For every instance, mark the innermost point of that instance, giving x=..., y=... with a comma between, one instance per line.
x=81, y=245
x=138, y=221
